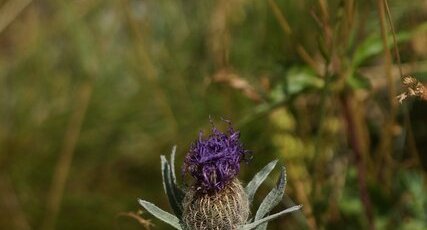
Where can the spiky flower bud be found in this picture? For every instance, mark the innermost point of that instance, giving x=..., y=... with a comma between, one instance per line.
x=225, y=209
x=217, y=199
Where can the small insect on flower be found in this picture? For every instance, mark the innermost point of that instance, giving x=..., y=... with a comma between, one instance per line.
x=216, y=199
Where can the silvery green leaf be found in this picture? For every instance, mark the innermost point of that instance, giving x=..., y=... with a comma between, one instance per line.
x=175, y=195
x=160, y=214
x=172, y=159
x=272, y=199
x=269, y=218
x=257, y=180
x=178, y=193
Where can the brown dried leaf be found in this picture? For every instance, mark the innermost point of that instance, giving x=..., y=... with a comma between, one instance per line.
x=236, y=82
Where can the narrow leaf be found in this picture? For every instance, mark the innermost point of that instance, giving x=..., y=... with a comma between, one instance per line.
x=160, y=214
x=174, y=194
x=269, y=218
x=178, y=193
x=272, y=199
x=172, y=159
x=257, y=180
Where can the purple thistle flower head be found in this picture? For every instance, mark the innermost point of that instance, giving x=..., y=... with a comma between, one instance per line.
x=215, y=161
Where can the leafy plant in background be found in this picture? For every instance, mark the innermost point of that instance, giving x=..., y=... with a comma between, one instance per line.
x=217, y=200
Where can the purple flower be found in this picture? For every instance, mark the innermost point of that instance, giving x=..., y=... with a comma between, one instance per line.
x=215, y=161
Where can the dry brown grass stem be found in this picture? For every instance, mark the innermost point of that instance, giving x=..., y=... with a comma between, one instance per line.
x=396, y=50
x=388, y=57
x=302, y=52
x=384, y=158
x=302, y=197
x=235, y=81
x=324, y=10
x=62, y=169
x=280, y=17
x=355, y=140
x=219, y=32
x=10, y=11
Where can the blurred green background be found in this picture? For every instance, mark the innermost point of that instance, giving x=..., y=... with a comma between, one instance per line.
x=92, y=92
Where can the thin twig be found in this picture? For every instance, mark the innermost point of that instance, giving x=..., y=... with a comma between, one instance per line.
x=385, y=147
x=396, y=51
x=388, y=58
x=136, y=216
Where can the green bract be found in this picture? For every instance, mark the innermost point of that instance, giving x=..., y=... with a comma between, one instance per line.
x=176, y=194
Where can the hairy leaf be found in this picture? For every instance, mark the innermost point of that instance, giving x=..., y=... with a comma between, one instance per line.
x=272, y=199
x=175, y=194
x=160, y=214
x=257, y=180
x=269, y=218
